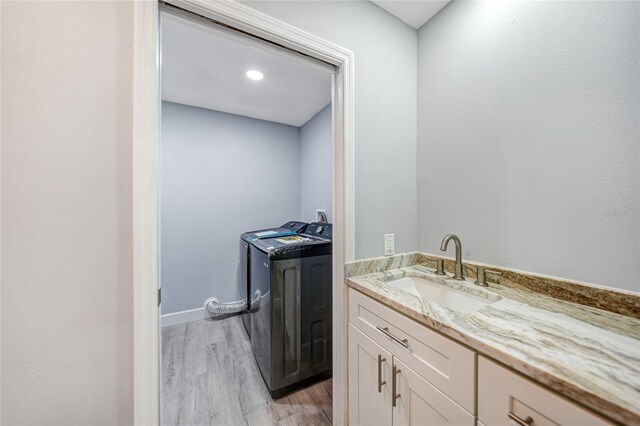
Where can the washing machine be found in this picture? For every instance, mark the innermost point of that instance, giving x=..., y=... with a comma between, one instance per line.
x=244, y=263
x=291, y=311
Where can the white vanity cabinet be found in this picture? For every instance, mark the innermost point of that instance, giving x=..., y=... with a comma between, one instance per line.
x=431, y=377
x=403, y=373
x=505, y=397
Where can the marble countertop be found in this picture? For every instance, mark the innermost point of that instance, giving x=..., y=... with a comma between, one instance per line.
x=586, y=354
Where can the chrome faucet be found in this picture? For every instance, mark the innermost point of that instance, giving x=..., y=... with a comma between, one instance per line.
x=443, y=246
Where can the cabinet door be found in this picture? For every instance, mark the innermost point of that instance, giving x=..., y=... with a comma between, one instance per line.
x=420, y=403
x=369, y=381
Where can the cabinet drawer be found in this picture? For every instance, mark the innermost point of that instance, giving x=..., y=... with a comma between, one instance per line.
x=419, y=403
x=448, y=366
x=502, y=392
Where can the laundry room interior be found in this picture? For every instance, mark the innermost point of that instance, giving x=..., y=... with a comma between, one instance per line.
x=319, y=212
x=245, y=227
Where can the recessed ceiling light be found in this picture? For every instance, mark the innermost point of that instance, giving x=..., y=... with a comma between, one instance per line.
x=255, y=75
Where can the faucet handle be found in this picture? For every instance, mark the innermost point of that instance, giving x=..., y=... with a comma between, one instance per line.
x=440, y=267
x=482, y=272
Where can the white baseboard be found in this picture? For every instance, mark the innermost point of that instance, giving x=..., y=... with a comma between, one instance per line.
x=183, y=316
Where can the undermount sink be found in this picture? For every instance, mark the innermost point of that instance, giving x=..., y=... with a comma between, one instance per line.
x=444, y=294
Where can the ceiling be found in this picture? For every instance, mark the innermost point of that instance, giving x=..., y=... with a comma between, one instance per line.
x=413, y=12
x=206, y=68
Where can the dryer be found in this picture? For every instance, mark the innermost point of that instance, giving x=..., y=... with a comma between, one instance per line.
x=291, y=312
x=244, y=262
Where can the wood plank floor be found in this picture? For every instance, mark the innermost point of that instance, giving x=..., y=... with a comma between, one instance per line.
x=210, y=377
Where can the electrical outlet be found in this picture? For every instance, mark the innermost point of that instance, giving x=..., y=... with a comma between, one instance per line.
x=318, y=216
x=389, y=244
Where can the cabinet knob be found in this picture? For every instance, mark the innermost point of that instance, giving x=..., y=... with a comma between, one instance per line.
x=528, y=421
x=385, y=331
x=394, y=385
x=380, y=381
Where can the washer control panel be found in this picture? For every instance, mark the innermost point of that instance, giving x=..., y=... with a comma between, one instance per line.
x=322, y=230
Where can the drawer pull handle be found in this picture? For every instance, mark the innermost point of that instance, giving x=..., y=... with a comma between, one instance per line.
x=385, y=331
x=526, y=422
x=380, y=382
x=394, y=386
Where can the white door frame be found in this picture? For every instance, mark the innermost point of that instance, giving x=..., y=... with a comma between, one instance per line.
x=145, y=184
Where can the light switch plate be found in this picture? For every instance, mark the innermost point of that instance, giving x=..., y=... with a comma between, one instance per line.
x=389, y=244
x=318, y=211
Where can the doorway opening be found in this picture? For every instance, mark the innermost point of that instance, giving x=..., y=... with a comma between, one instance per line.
x=245, y=229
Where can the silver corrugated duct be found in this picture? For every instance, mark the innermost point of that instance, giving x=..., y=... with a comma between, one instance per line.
x=215, y=308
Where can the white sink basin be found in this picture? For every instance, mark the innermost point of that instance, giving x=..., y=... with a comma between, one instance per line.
x=443, y=294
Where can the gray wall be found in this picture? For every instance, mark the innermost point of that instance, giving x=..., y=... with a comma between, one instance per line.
x=221, y=175
x=316, y=171
x=528, y=136
x=385, y=111
x=67, y=348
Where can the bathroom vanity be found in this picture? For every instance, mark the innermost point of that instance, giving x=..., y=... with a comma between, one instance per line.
x=427, y=349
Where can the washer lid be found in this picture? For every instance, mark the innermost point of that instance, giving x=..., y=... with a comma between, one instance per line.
x=266, y=233
x=293, y=246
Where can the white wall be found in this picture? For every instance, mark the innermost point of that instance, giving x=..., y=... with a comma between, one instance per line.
x=221, y=175
x=385, y=111
x=528, y=136
x=316, y=171
x=66, y=213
